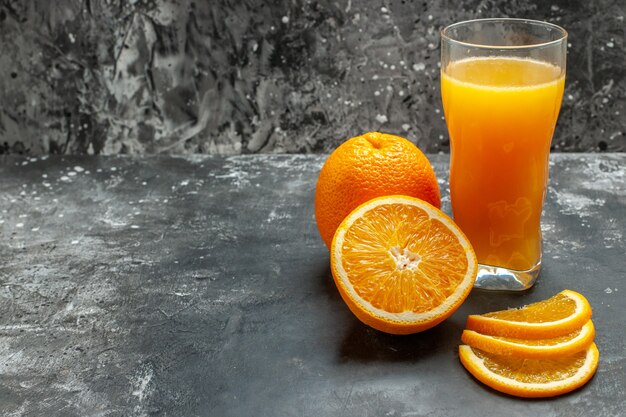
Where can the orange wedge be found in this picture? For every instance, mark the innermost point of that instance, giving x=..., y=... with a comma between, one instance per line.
x=560, y=315
x=401, y=265
x=531, y=377
x=556, y=347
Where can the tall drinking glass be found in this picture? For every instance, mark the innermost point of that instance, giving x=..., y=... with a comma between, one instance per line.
x=501, y=84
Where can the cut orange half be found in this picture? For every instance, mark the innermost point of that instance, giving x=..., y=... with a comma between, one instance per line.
x=531, y=377
x=401, y=265
x=533, y=348
x=557, y=316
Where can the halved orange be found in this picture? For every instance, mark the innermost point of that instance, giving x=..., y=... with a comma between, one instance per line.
x=401, y=265
x=557, y=316
x=533, y=348
x=531, y=377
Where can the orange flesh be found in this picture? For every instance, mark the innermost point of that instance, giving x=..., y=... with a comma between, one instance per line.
x=399, y=259
x=533, y=370
x=552, y=309
x=541, y=342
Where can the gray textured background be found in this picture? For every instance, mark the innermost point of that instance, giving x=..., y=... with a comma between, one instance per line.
x=198, y=286
x=229, y=77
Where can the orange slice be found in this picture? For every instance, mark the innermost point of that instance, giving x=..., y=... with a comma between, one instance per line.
x=531, y=377
x=564, y=313
x=401, y=265
x=533, y=348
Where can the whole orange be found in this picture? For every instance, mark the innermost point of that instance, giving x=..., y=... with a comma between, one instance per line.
x=369, y=166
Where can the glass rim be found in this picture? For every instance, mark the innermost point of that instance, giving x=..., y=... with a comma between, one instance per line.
x=561, y=39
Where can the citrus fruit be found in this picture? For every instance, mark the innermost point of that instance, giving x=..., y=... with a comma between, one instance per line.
x=524, y=377
x=559, y=315
x=368, y=166
x=401, y=265
x=532, y=348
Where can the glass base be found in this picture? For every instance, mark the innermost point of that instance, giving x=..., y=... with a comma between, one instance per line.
x=496, y=278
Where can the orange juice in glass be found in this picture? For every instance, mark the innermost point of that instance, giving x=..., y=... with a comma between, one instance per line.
x=501, y=84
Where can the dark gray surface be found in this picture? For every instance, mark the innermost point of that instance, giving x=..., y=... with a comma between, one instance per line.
x=199, y=287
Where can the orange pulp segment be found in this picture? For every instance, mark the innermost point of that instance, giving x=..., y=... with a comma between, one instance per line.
x=559, y=315
x=531, y=377
x=401, y=265
x=533, y=348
